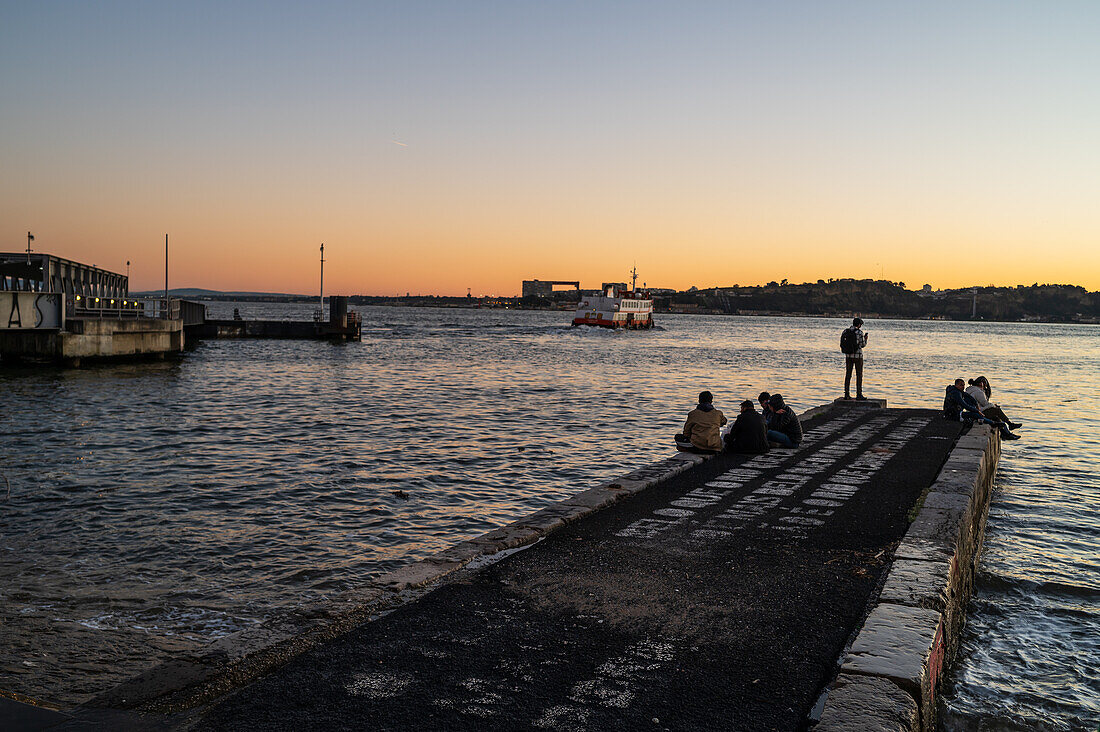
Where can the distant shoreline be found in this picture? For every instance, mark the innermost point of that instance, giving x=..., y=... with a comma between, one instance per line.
x=444, y=302
x=1047, y=303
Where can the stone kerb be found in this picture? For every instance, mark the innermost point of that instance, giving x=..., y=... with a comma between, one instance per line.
x=912, y=632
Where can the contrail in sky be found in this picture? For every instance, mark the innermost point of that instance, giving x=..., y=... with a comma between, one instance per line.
x=395, y=142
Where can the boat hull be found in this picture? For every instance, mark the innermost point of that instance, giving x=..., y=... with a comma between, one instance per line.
x=615, y=324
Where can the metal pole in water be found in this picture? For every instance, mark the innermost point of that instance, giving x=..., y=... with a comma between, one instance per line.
x=165, y=276
x=322, y=296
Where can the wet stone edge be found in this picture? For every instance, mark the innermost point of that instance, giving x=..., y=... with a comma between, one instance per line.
x=889, y=677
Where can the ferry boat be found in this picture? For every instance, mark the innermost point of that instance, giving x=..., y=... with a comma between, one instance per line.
x=617, y=307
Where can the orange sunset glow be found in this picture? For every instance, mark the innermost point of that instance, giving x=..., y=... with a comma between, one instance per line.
x=434, y=149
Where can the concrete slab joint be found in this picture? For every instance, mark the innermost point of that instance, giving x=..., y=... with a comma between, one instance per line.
x=895, y=643
x=416, y=574
x=918, y=583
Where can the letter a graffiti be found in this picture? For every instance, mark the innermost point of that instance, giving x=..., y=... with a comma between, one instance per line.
x=14, y=317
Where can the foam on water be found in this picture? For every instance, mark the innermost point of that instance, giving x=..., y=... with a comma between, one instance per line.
x=157, y=507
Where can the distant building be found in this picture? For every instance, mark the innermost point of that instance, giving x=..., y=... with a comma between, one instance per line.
x=545, y=288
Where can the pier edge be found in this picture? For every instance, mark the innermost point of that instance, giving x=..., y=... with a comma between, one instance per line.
x=889, y=676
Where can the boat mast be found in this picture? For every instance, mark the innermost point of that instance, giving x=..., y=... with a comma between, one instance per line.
x=634, y=279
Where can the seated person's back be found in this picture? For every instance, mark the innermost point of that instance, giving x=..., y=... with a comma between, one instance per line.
x=749, y=433
x=703, y=428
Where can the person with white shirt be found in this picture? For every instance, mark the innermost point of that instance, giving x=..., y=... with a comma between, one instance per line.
x=979, y=389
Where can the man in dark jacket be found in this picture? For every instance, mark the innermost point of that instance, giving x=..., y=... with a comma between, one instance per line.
x=765, y=407
x=856, y=341
x=749, y=434
x=961, y=407
x=784, y=426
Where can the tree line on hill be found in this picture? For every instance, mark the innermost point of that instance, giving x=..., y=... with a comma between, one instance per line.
x=891, y=299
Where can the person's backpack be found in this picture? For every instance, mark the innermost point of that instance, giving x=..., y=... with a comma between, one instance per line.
x=849, y=343
x=950, y=408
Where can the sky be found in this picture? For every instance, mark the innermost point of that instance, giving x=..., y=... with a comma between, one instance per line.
x=440, y=146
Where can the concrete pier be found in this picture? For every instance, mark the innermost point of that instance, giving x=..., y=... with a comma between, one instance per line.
x=57, y=310
x=724, y=592
x=94, y=339
x=275, y=329
x=342, y=325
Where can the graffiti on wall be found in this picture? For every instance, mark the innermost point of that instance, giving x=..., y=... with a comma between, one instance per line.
x=30, y=310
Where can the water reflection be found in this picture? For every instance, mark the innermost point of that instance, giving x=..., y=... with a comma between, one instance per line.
x=155, y=507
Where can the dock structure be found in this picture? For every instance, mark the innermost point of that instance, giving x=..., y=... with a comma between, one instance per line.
x=342, y=325
x=55, y=309
x=777, y=592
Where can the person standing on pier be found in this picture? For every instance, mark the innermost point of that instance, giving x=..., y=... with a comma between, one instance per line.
x=852, y=342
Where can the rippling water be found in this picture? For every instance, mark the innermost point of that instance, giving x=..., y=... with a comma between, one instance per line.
x=156, y=507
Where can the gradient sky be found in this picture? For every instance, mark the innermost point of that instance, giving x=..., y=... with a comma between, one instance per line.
x=439, y=146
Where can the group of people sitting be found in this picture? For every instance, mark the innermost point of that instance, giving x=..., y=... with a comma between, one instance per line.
x=776, y=424
x=971, y=404
x=752, y=433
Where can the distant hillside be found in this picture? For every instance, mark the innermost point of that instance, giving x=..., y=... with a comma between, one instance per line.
x=1067, y=303
x=200, y=294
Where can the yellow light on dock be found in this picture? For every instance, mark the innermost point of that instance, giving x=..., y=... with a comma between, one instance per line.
x=97, y=299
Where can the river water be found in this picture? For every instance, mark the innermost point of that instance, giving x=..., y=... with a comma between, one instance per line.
x=148, y=509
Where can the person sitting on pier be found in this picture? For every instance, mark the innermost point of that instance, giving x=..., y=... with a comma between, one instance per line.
x=960, y=406
x=765, y=407
x=980, y=390
x=749, y=433
x=784, y=427
x=703, y=429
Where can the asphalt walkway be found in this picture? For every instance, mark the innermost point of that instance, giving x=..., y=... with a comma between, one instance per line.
x=720, y=599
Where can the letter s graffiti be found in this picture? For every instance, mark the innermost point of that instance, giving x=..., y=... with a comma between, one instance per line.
x=39, y=315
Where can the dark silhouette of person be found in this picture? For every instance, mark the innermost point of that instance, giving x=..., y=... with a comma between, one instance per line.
x=853, y=358
x=748, y=434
